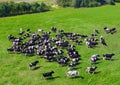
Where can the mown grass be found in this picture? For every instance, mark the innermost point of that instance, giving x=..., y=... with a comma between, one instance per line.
x=14, y=67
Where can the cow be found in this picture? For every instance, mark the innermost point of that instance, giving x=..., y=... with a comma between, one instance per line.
x=72, y=66
x=91, y=70
x=73, y=73
x=108, y=56
x=106, y=30
x=96, y=31
x=48, y=74
x=102, y=41
x=94, y=58
x=112, y=30
x=53, y=29
x=33, y=64
x=10, y=50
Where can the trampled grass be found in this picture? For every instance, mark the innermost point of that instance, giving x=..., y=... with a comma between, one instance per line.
x=14, y=67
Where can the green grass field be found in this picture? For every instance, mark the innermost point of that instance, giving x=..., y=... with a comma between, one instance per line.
x=14, y=67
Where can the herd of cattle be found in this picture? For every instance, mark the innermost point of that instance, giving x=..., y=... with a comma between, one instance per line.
x=53, y=45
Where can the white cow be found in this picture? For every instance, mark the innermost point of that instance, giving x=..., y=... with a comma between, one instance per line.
x=73, y=73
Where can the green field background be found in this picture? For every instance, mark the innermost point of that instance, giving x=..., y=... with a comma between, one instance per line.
x=14, y=69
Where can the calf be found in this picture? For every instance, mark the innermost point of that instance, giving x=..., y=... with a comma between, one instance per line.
x=48, y=74
x=33, y=64
x=108, y=56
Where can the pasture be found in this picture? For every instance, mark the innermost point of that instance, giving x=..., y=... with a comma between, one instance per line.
x=14, y=68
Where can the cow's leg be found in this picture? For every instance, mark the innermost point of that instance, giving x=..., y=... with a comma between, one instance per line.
x=93, y=72
x=29, y=67
x=104, y=58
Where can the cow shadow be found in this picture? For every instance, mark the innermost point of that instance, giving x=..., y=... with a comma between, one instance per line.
x=80, y=77
x=52, y=78
x=97, y=72
x=77, y=77
x=96, y=63
x=37, y=67
x=114, y=59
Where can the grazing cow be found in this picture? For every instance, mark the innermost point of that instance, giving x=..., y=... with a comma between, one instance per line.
x=108, y=56
x=106, y=30
x=113, y=30
x=102, y=41
x=21, y=31
x=28, y=30
x=72, y=73
x=96, y=31
x=48, y=74
x=63, y=60
x=53, y=29
x=88, y=43
x=33, y=64
x=72, y=66
x=76, y=60
x=11, y=37
x=91, y=70
x=10, y=50
x=94, y=58
x=83, y=36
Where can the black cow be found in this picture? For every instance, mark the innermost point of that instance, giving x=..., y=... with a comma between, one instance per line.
x=53, y=29
x=96, y=31
x=102, y=41
x=10, y=50
x=33, y=64
x=113, y=30
x=48, y=74
x=108, y=56
x=11, y=37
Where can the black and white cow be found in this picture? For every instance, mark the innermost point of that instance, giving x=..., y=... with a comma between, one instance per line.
x=102, y=41
x=91, y=70
x=33, y=64
x=108, y=56
x=94, y=58
x=112, y=30
x=72, y=66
